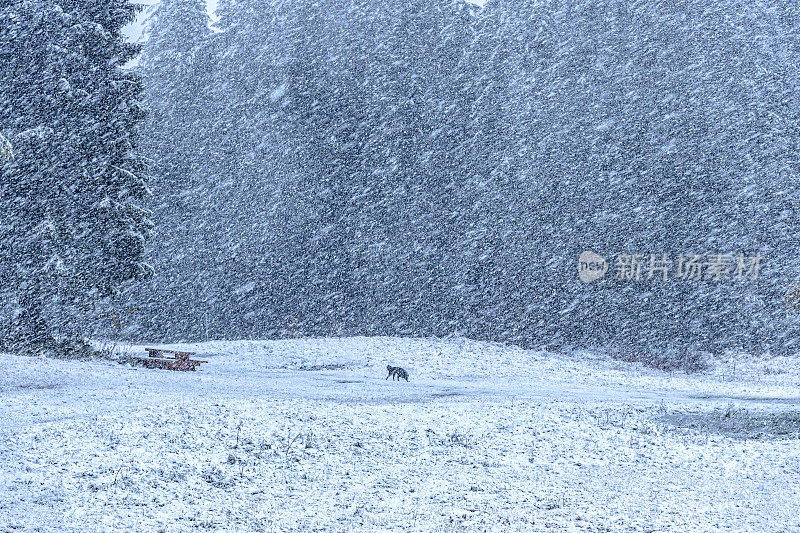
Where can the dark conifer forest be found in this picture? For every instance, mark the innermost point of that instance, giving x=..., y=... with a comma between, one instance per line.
x=416, y=168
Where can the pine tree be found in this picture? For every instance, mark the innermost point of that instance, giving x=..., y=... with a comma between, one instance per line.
x=72, y=228
x=173, y=69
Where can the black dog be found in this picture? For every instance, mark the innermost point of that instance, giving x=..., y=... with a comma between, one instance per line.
x=396, y=372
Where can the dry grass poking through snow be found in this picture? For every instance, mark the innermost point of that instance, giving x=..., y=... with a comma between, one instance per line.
x=278, y=465
x=98, y=449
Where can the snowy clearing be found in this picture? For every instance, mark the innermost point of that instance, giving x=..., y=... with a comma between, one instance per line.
x=308, y=435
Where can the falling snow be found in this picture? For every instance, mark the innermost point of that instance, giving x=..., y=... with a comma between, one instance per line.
x=575, y=223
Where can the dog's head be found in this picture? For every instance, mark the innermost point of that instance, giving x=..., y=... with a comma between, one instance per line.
x=389, y=368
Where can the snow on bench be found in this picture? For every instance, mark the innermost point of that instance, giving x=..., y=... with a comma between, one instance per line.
x=176, y=361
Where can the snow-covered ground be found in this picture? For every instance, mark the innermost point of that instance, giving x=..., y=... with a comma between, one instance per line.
x=308, y=435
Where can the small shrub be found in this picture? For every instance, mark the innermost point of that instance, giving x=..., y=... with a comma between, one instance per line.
x=668, y=360
x=70, y=348
x=458, y=439
x=768, y=370
x=215, y=477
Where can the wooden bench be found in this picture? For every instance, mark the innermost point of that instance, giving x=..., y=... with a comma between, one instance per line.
x=175, y=361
